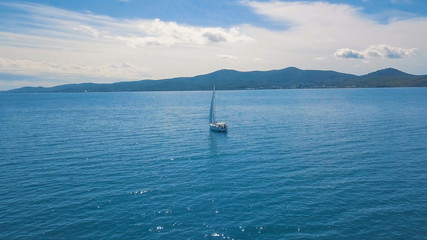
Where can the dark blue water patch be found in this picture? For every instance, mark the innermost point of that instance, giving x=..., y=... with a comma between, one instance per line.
x=295, y=164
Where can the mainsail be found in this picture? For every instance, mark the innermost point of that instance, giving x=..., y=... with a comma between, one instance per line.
x=212, y=112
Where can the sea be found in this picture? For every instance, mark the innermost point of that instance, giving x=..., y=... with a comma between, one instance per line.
x=295, y=164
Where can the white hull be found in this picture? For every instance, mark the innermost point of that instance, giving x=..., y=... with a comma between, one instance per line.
x=218, y=127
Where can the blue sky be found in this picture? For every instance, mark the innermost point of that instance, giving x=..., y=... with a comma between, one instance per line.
x=51, y=42
x=218, y=12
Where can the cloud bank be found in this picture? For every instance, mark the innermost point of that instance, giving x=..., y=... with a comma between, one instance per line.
x=28, y=67
x=381, y=50
x=147, y=33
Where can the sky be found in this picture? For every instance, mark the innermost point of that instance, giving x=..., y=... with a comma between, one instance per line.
x=49, y=42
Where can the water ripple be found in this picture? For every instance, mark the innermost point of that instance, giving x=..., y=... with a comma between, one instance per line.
x=296, y=164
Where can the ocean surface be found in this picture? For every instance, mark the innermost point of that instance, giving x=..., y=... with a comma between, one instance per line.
x=295, y=164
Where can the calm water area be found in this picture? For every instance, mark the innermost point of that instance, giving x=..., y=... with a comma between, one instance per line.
x=295, y=164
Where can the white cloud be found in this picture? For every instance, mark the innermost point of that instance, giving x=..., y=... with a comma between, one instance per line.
x=157, y=32
x=387, y=51
x=348, y=53
x=300, y=14
x=58, y=69
x=89, y=30
x=381, y=50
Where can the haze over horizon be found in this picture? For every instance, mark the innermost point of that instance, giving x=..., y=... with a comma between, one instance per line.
x=49, y=43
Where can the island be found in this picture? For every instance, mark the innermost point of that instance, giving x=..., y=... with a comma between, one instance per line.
x=287, y=78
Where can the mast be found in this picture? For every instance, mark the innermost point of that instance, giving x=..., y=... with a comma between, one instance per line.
x=212, y=112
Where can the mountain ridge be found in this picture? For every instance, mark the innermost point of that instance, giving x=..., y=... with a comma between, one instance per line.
x=229, y=79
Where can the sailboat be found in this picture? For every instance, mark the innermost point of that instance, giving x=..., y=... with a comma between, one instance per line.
x=213, y=124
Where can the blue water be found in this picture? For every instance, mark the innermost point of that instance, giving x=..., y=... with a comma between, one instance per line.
x=295, y=164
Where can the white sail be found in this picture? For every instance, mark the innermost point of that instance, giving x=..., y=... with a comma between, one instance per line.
x=213, y=124
x=212, y=112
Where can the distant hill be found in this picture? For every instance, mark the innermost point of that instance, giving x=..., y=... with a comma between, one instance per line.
x=234, y=80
